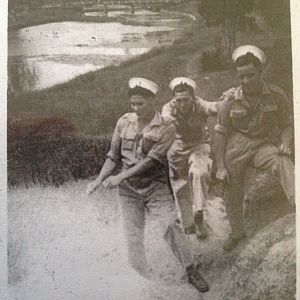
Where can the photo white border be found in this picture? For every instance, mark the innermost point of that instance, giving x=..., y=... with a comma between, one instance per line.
x=3, y=152
x=295, y=32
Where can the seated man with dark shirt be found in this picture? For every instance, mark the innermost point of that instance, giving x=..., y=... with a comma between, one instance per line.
x=254, y=128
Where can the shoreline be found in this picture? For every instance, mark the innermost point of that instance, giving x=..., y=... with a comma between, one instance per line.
x=52, y=15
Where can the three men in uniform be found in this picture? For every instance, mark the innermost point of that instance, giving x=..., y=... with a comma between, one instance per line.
x=254, y=127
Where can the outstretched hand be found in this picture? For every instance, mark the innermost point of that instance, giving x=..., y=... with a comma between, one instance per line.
x=92, y=187
x=112, y=182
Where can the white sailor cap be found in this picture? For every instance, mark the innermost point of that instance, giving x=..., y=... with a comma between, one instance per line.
x=143, y=83
x=182, y=80
x=243, y=50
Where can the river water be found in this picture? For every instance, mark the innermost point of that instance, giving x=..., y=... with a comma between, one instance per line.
x=45, y=55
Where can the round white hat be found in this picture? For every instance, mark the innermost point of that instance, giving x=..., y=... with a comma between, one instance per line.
x=243, y=50
x=143, y=83
x=182, y=80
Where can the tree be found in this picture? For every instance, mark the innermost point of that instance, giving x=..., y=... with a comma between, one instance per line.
x=228, y=14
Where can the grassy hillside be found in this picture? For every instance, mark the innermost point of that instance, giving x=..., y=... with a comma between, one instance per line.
x=94, y=101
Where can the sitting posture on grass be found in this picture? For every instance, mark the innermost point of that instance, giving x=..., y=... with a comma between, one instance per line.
x=139, y=144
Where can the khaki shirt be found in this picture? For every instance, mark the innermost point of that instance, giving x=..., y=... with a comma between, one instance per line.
x=263, y=119
x=129, y=146
x=193, y=129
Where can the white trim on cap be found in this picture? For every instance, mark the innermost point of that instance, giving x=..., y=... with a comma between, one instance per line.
x=182, y=80
x=243, y=50
x=143, y=83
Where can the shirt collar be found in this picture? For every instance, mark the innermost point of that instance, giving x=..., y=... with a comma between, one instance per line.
x=240, y=96
x=193, y=108
x=156, y=120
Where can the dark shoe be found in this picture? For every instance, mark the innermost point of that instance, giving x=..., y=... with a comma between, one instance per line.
x=231, y=242
x=200, y=229
x=190, y=230
x=195, y=279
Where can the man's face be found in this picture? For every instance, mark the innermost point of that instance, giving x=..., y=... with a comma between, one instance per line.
x=250, y=78
x=142, y=106
x=184, y=102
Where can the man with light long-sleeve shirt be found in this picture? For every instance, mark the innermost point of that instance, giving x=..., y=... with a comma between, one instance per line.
x=189, y=156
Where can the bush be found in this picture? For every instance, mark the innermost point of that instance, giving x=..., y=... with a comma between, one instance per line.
x=48, y=151
x=213, y=60
x=55, y=160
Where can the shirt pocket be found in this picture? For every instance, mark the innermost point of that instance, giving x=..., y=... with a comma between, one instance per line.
x=238, y=113
x=271, y=108
x=148, y=141
x=269, y=114
x=129, y=141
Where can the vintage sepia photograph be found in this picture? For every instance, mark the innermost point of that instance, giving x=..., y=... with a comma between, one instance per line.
x=150, y=150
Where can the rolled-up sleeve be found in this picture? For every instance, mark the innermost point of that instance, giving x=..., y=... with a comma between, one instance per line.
x=168, y=109
x=159, y=150
x=206, y=106
x=115, y=146
x=223, y=121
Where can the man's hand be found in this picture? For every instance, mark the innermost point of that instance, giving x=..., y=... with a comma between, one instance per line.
x=223, y=175
x=92, y=187
x=285, y=149
x=112, y=181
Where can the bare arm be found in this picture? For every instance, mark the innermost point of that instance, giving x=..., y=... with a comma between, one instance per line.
x=286, y=140
x=111, y=163
x=108, y=168
x=220, y=149
x=222, y=173
x=222, y=129
x=286, y=124
x=212, y=107
x=140, y=168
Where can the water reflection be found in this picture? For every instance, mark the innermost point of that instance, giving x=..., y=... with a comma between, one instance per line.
x=44, y=55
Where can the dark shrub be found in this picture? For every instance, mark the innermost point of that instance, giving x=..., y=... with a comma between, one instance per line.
x=48, y=151
x=213, y=60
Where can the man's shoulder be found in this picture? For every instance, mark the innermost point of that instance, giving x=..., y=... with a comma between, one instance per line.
x=167, y=127
x=126, y=118
x=275, y=89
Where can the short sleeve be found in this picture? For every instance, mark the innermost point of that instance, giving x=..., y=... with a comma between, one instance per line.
x=115, y=146
x=159, y=150
x=223, y=120
x=168, y=109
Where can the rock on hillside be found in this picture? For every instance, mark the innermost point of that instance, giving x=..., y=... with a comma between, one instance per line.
x=265, y=268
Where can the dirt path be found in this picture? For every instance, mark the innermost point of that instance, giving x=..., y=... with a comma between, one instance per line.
x=64, y=245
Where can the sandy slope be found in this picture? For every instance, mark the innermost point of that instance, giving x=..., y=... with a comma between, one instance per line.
x=65, y=245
